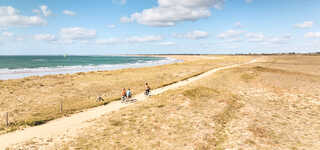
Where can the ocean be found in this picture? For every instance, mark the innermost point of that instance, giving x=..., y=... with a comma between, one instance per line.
x=14, y=67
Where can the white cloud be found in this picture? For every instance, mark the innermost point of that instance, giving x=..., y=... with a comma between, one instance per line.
x=170, y=12
x=287, y=36
x=238, y=25
x=126, y=20
x=306, y=24
x=167, y=43
x=196, y=34
x=19, y=38
x=7, y=34
x=261, y=38
x=120, y=1
x=45, y=11
x=255, y=37
x=9, y=16
x=69, y=13
x=45, y=37
x=108, y=41
x=37, y=11
x=142, y=39
x=69, y=36
x=77, y=33
x=278, y=40
x=312, y=35
x=10, y=36
x=234, y=40
x=111, y=26
x=230, y=34
x=132, y=39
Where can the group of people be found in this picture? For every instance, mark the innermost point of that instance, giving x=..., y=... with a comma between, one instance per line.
x=127, y=94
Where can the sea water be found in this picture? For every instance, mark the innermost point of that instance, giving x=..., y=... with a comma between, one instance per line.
x=14, y=67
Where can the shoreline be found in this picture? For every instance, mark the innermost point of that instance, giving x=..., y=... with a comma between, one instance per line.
x=11, y=74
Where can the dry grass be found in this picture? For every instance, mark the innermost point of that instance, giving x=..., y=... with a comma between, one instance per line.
x=260, y=106
x=35, y=100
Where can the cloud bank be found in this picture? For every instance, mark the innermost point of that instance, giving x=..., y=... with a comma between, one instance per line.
x=11, y=17
x=170, y=12
x=306, y=24
x=69, y=13
x=196, y=34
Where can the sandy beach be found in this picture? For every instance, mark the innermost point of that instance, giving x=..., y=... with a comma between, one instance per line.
x=36, y=100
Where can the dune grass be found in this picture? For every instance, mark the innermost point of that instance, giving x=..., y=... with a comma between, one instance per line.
x=251, y=107
x=35, y=100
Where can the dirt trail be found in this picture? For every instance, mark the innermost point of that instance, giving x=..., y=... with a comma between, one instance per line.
x=72, y=124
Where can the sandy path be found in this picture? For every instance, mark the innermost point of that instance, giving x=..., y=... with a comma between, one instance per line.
x=72, y=124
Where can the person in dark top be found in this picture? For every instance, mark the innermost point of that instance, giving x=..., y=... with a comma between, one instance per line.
x=147, y=92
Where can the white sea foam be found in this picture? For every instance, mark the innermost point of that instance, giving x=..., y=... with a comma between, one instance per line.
x=6, y=74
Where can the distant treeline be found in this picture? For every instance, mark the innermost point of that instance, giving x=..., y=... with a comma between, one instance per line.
x=289, y=53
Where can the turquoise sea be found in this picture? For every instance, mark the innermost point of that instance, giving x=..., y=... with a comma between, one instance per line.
x=13, y=67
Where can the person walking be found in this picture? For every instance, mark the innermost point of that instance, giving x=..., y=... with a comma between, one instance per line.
x=123, y=94
x=129, y=94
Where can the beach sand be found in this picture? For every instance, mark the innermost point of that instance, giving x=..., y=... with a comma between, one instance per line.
x=35, y=100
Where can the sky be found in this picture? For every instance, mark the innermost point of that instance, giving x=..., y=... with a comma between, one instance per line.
x=109, y=27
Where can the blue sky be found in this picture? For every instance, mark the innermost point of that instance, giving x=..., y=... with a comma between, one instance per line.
x=105, y=27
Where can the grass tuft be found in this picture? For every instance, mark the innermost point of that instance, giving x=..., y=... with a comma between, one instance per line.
x=200, y=92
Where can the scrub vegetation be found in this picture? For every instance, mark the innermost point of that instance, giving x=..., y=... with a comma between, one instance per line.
x=272, y=104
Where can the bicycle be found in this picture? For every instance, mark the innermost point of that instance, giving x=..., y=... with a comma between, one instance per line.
x=147, y=92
